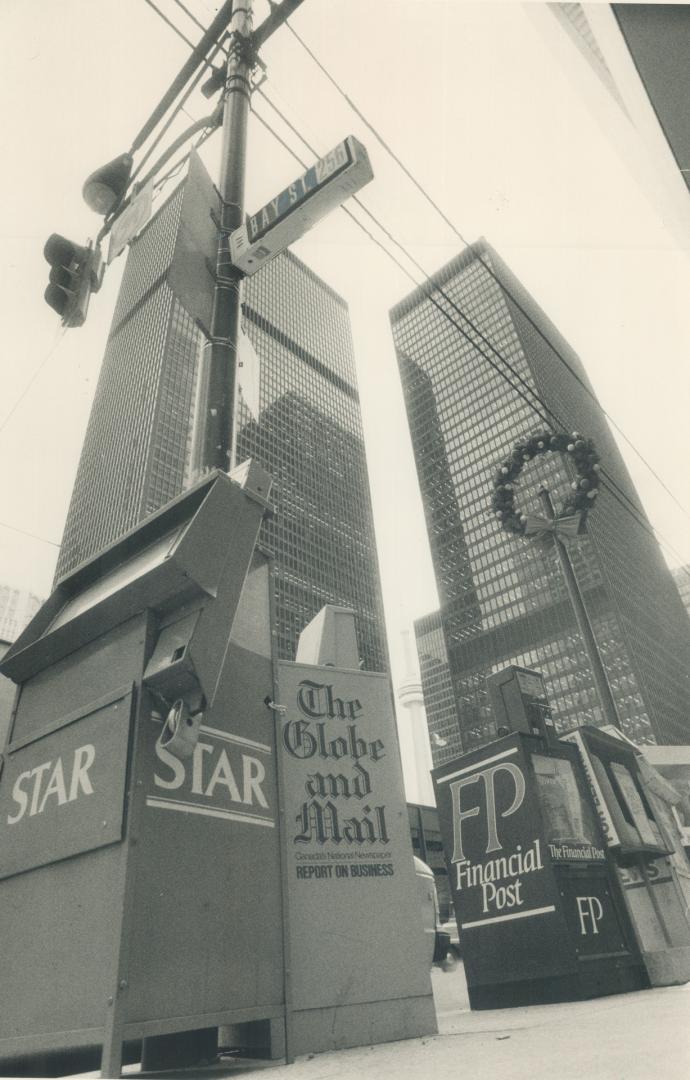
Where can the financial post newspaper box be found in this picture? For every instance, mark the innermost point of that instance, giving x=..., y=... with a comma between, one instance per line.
x=139, y=847
x=635, y=805
x=539, y=909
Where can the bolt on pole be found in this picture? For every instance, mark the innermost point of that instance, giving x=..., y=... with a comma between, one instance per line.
x=214, y=424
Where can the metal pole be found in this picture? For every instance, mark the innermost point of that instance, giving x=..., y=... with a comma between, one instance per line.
x=216, y=401
x=601, y=681
x=190, y=65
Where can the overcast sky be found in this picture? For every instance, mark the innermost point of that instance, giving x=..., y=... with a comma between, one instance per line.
x=471, y=98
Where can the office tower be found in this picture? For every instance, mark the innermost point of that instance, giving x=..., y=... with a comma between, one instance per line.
x=681, y=576
x=628, y=63
x=503, y=599
x=307, y=432
x=413, y=732
x=308, y=435
x=137, y=441
x=17, y=608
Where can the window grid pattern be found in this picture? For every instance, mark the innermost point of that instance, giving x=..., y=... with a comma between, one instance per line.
x=437, y=687
x=308, y=433
x=17, y=608
x=308, y=436
x=503, y=600
x=109, y=494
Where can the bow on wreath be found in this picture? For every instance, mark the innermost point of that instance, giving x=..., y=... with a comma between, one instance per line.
x=547, y=530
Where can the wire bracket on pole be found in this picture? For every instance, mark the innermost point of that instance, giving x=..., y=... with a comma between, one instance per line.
x=241, y=48
x=224, y=342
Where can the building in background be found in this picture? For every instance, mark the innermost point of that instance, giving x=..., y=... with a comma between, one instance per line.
x=503, y=599
x=17, y=608
x=681, y=576
x=629, y=62
x=437, y=687
x=137, y=443
x=413, y=733
x=308, y=435
x=302, y=421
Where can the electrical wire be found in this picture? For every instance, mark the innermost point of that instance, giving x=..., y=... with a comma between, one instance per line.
x=166, y=126
x=43, y=539
x=549, y=417
x=487, y=267
x=191, y=16
x=612, y=486
x=176, y=29
x=174, y=170
x=60, y=333
x=206, y=123
x=436, y=287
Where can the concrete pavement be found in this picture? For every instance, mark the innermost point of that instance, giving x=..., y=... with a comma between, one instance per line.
x=639, y=1036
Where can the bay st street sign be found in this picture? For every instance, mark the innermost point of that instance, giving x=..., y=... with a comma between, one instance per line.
x=331, y=180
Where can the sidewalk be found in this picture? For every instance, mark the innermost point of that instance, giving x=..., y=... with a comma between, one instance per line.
x=640, y=1036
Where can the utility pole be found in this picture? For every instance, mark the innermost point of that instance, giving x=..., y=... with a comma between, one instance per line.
x=213, y=437
x=601, y=681
x=214, y=434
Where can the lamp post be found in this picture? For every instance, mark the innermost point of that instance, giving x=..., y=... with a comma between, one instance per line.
x=601, y=681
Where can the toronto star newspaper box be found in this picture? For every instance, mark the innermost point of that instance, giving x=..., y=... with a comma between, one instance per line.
x=143, y=850
x=538, y=905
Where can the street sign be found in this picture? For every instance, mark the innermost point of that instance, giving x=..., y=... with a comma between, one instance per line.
x=130, y=222
x=193, y=264
x=327, y=184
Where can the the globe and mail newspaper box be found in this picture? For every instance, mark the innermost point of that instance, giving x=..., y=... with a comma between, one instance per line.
x=359, y=962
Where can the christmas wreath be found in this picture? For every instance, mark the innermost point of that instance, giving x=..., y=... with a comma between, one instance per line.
x=584, y=487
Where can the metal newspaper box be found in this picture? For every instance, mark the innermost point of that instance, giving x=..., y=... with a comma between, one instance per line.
x=635, y=804
x=139, y=847
x=538, y=906
x=359, y=963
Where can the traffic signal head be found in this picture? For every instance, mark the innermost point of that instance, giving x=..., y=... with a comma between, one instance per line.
x=74, y=275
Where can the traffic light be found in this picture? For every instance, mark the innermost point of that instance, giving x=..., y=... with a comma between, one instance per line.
x=76, y=272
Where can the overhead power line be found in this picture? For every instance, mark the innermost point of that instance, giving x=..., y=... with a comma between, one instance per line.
x=60, y=333
x=183, y=160
x=537, y=405
x=430, y=287
x=424, y=193
x=189, y=13
x=14, y=528
x=612, y=485
x=166, y=126
x=176, y=29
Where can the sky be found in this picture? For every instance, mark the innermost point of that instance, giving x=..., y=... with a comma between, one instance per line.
x=475, y=103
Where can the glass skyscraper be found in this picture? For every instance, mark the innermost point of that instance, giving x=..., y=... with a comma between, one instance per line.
x=307, y=432
x=308, y=436
x=503, y=599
